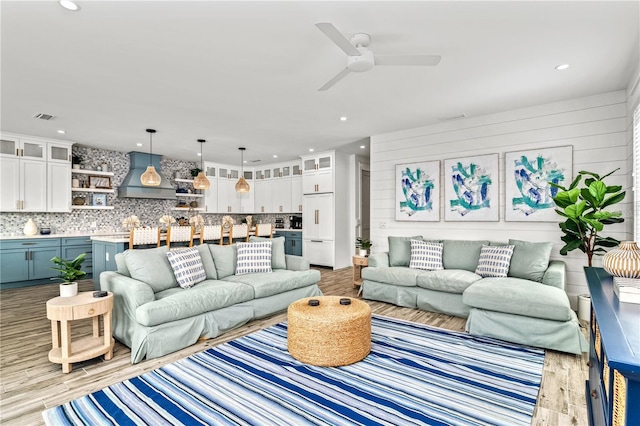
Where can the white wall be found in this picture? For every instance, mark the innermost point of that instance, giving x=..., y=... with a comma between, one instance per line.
x=633, y=102
x=596, y=127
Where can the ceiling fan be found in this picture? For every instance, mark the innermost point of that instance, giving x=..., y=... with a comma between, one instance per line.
x=361, y=59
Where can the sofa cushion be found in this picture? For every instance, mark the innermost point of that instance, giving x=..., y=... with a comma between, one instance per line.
x=253, y=257
x=178, y=303
x=494, y=261
x=266, y=284
x=447, y=280
x=397, y=275
x=207, y=261
x=278, y=259
x=400, y=250
x=519, y=297
x=426, y=255
x=187, y=266
x=224, y=258
x=529, y=260
x=152, y=267
x=461, y=254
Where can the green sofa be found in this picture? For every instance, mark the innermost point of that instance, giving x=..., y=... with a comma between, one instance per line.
x=529, y=306
x=154, y=316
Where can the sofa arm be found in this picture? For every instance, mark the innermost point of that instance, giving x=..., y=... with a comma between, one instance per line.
x=555, y=274
x=379, y=259
x=296, y=263
x=131, y=292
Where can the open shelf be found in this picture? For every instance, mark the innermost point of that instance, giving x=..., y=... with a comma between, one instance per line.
x=98, y=190
x=183, y=180
x=92, y=207
x=91, y=172
x=182, y=194
x=197, y=209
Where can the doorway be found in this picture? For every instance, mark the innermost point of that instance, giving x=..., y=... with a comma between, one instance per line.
x=365, y=204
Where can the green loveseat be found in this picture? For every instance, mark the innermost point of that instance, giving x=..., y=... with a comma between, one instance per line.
x=529, y=306
x=154, y=316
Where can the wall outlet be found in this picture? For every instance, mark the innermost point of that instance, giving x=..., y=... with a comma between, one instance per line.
x=383, y=225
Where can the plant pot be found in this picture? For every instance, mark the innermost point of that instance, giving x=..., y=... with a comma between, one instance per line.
x=362, y=252
x=623, y=261
x=69, y=289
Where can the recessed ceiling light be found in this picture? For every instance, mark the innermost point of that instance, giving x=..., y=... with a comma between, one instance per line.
x=310, y=149
x=62, y=132
x=69, y=5
x=199, y=154
x=275, y=155
x=362, y=147
x=562, y=67
x=245, y=161
x=343, y=118
x=139, y=144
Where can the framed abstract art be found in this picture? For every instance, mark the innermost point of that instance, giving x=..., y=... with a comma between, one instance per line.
x=417, y=188
x=529, y=196
x=471, y=188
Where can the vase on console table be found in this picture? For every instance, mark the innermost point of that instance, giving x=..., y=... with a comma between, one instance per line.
x=623, y=261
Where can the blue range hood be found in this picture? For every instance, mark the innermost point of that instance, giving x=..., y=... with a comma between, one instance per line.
x=131, y=186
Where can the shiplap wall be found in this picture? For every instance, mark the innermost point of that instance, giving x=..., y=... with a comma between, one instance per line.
x=595, y=126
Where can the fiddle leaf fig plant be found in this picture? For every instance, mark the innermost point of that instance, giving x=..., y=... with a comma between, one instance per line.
x=585, y=209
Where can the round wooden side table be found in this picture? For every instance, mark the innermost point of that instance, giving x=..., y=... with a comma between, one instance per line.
x=62, y=310
x=329, y=334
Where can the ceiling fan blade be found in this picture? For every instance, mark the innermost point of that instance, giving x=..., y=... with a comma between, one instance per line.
x=419, y=60
x=342, y=74
x=336, y=36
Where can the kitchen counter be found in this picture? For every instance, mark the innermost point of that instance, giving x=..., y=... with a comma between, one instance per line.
x=286, y=230
x=63, y=235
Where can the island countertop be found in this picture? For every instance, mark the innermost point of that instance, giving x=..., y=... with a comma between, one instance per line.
x=64, y=235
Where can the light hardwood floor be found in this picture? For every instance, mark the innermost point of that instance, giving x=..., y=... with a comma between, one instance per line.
x=29, y=383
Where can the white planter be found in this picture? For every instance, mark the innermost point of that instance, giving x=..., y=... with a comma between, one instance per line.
x=584, y=307
x=362, y=252
x=69, y=290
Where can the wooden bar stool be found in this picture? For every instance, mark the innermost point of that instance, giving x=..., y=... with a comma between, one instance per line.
x=240, y=231
x=264, y=230
x=144, y=237
x=211, y=233
x=180, y=234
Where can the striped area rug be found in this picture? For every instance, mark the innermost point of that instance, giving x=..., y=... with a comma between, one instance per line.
x=414, y=375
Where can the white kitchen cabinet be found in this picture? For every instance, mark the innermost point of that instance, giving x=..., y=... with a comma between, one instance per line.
x=263, y=202
x=317, y=162
x=318, y=216
x=228, y=202
x=281, y=195
x=317, y=182
x=59, y=153
x=296, y=194
x=59, y=185
x=319, y=252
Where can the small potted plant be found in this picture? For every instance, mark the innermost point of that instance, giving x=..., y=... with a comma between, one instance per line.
x=76, y=160
x=195, y=171
x=363, y=245
x=70, y=272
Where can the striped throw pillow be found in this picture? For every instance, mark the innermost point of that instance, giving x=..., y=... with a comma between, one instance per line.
x=187, y=266
x=253, y=257
x=494, y=261
x=426, y=255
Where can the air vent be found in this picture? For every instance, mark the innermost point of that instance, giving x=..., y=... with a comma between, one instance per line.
x=43, y=116
x=453, y=117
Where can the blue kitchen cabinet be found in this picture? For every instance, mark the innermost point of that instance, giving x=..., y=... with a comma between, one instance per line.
x=293, y=243
x=72, y=247
x=27, y=262
x=104, y=253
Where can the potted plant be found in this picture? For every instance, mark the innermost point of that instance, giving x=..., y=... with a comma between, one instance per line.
x=585, y=210
x=195, y=171
x=69, y=272
x=76, y=159
x=363, y=245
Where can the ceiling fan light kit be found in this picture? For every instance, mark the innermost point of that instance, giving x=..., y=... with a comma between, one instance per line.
x=150, y=177
x=361, y=59
x=201, y=181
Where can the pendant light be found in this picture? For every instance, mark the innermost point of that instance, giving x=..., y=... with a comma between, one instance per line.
x=201, y=181
x=242, y=185
x=150, y=177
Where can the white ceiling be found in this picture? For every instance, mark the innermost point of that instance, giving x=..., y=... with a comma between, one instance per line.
x=247, y=73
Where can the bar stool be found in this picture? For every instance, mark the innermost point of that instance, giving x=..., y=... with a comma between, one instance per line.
x=144, y=237
x=240, y=231
x=211, y=233
x=180, y=234
x=264, y=230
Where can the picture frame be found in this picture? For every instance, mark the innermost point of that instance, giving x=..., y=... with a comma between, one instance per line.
x=528, y=196
x=103, y=182
x=471, y=189
x=417, y=187
x=99, y=200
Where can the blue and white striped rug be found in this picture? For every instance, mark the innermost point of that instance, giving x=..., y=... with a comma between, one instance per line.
x=415, y=374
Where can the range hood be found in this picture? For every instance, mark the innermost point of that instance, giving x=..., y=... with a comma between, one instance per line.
x=131, y=186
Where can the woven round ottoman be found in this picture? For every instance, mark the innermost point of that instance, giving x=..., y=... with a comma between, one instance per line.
x=330, y=334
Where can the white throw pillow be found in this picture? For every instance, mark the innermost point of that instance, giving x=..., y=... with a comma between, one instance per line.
x=426, y=255
x=253, y=257
x=187, y=266
x=494, y=261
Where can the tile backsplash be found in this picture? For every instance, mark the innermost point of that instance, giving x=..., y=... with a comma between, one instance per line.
x=147, y=210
